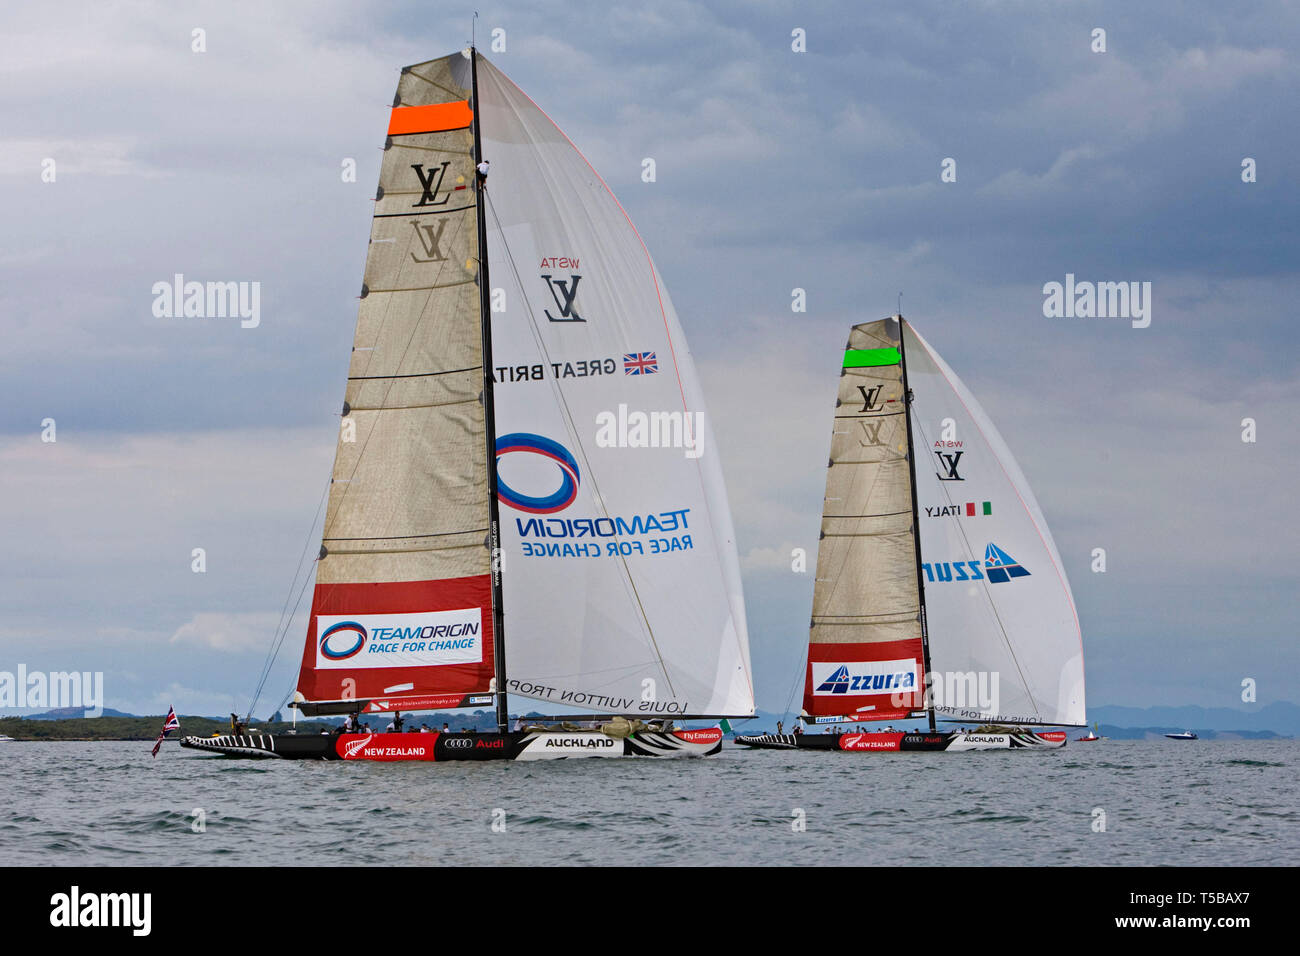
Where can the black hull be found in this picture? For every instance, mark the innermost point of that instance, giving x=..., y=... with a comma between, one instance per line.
x=954, y=741
x=438, y=747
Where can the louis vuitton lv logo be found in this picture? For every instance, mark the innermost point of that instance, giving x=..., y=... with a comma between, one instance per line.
x=430, y=182
x=430, y=237
x=564, y=298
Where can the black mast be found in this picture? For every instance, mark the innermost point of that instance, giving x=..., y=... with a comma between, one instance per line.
x=489, y=411
x=916, y=525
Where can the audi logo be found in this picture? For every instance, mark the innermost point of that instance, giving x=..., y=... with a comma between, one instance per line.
x=460, y=743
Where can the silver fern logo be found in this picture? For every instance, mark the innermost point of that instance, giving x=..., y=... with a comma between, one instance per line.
x=354, y=748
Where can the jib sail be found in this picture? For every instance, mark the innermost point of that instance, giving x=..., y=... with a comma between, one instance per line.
x=1004, y=635
x=621, y=579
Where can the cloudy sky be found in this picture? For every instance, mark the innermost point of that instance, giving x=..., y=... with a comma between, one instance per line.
x=818, y=170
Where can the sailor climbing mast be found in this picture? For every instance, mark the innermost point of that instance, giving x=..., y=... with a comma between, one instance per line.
x=489, y=412
x=916, y=533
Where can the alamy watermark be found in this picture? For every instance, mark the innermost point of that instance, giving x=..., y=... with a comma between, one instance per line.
x=637, y=429
x=976, y=692
x=56, y=689
x=127, y=910
x=1099, y=300
x=208, y=300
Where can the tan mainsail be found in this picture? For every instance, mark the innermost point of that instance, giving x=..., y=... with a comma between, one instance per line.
x=866, y=660
x=404, y=572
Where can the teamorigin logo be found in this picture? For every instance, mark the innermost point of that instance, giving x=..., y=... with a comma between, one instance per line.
x=347, y=637
x=530, y=446
x=422, y=638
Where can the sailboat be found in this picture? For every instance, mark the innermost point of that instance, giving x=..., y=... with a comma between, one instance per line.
x=525, y=498
x=1090, y=736
x=939, y=591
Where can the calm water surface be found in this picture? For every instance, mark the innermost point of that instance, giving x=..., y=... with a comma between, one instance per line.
x=1199, y=803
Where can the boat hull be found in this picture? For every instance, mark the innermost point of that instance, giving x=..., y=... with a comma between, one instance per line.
x=437, y=747
x=952, y=742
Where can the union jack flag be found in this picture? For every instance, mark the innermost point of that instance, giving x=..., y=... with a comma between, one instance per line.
x=172, y=723
x=640, y=363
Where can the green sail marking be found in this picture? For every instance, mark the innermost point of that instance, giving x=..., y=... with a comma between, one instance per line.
x=869, y=358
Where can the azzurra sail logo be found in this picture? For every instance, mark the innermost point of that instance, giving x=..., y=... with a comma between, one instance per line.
x=864, y=677
x=837, y=683
x=342, y=640
x=567, y=465
x=998, y=568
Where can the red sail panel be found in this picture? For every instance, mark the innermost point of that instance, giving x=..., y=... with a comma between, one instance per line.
x=407, y=639
x=881, y=680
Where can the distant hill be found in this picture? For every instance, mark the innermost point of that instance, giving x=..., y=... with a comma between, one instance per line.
x=117, y=726
x=63, y=713
x=1281, y=718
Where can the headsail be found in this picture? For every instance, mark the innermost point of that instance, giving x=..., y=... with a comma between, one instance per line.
x=621, y=579
x=998, y=602
x=865, y=655
x=401, y=614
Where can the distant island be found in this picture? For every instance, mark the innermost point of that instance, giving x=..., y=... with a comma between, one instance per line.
x=1276, y=721
x=69, y=724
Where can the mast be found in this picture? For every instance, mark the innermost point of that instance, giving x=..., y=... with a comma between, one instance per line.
x=916, y=527
x=489, y=414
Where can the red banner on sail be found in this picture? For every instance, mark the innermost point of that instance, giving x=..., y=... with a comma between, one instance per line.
x=400, y=639
x=882, y=680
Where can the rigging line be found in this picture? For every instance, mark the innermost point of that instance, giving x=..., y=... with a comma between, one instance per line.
x=920, y=427
x=799, y=675
x=305, y=581
x=573, y=429
x=274, y=651
x=277, y=638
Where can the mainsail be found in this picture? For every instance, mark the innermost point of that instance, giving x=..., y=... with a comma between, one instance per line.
x=402, y=610
x=621, y=579
x=865, y=655
x=997, y=599
x=620, y=585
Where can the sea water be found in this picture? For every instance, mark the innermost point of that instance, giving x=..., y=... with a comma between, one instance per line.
x=1106, y=803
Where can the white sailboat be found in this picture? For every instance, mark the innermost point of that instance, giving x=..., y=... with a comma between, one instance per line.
x=525, y=467
x=939, y=590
